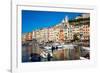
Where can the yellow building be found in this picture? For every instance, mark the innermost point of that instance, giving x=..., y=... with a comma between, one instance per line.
x=24, y=37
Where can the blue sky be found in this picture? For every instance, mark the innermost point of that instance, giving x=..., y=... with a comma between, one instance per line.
x=34, y=20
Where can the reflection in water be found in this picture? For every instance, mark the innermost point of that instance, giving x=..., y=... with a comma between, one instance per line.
x=25, y=54
x=31, y=52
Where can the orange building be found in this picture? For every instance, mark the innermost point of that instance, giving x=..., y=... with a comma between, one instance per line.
x=29, y=36
x=61, y=36
x=86, y=32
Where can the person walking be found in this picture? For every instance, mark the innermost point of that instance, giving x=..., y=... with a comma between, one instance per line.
x=53, y=48
x=56, y=47
x=49, y=57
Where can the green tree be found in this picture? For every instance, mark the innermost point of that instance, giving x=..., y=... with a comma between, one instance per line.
x=75, y=37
